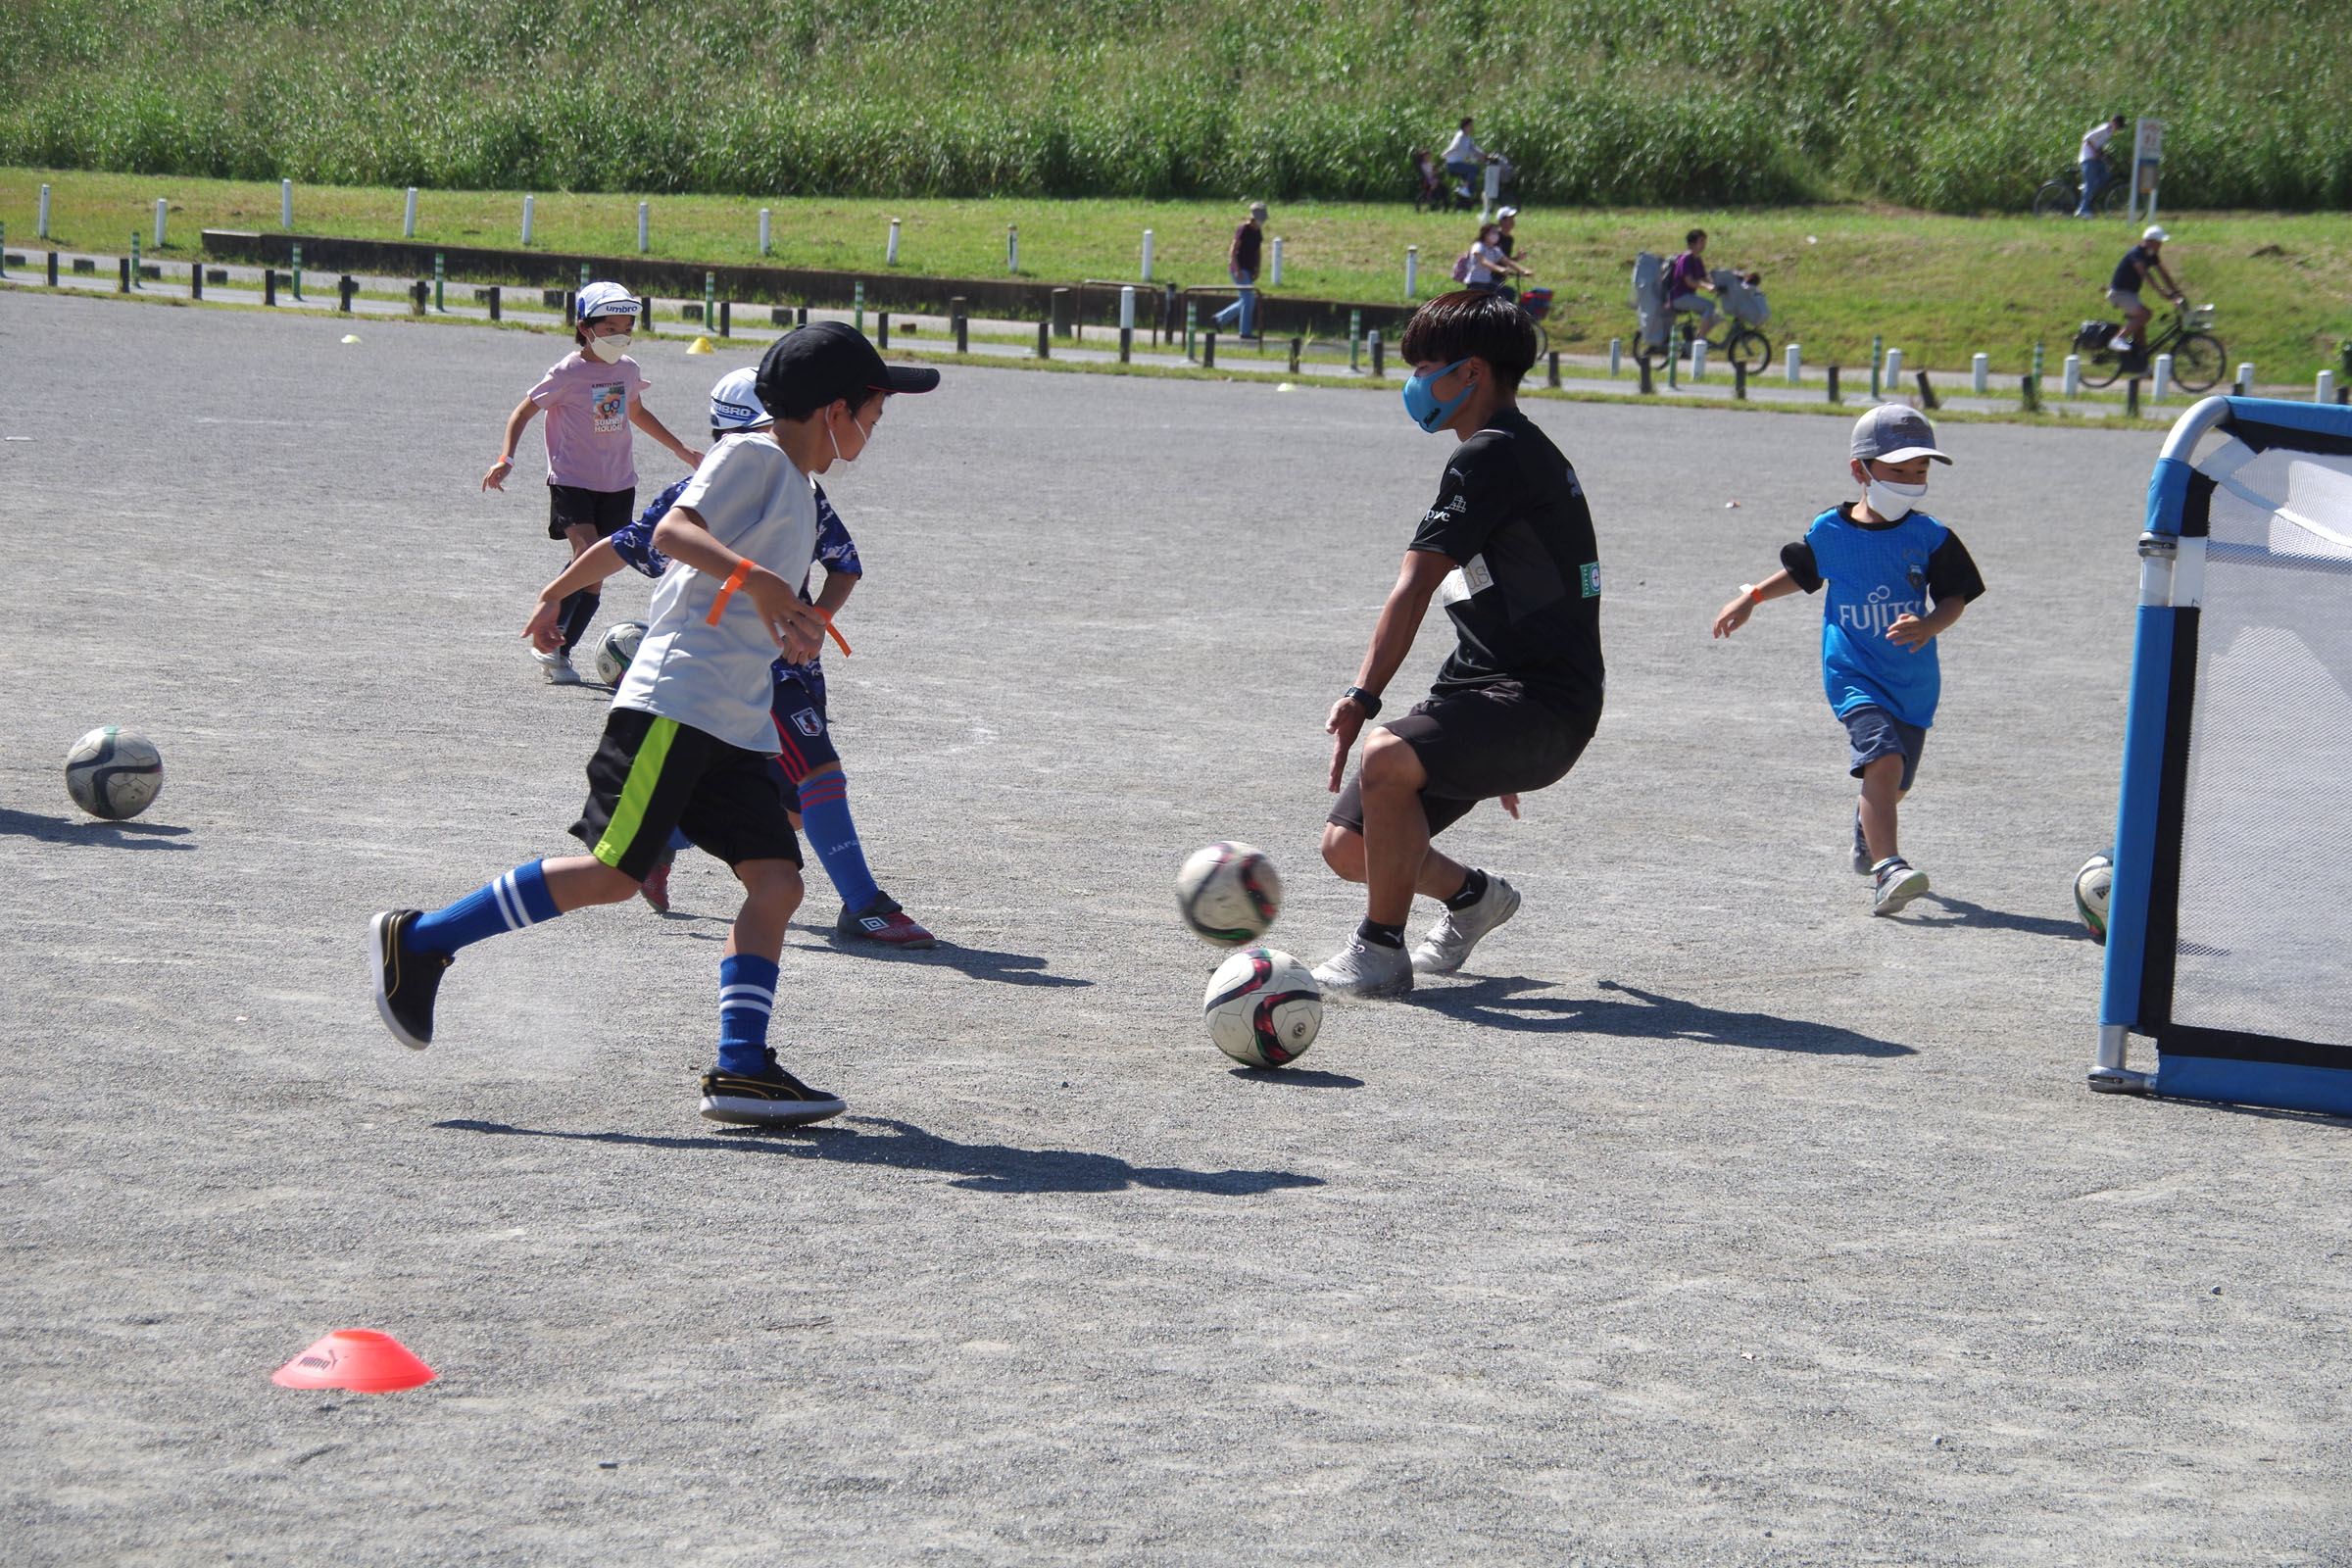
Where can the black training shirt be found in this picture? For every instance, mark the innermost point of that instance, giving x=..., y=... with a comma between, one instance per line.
x=2132, y=271
x=1525, y=598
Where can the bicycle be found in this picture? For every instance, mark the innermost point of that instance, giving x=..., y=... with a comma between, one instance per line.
x=2061, y=195
x=2198, y=357
x=1537, y=303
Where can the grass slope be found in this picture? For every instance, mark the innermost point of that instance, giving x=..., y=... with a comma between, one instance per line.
x=1955, y=105
x=1940, y=288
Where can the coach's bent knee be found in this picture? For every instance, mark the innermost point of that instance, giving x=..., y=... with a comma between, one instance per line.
x=1343, y=851
x=1391, y=763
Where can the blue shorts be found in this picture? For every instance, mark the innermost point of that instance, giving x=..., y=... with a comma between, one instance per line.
x=803, y=739
x=1874, y=732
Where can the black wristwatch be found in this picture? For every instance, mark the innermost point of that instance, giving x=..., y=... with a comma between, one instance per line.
x=1363, y=700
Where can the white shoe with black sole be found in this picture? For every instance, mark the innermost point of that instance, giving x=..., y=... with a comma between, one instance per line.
x=1899, y=882
x=1365, y=969
x=1447, y=946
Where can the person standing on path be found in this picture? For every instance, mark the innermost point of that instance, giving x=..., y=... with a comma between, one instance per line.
x=2094, y=160
x=1241, y=265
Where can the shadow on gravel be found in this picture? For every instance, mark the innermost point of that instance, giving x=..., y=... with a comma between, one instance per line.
x=1497, y=1002
x=90, y=830
x=983, y=1167
x=1006, y=968
x=1296, y=1077
x=1967, y=913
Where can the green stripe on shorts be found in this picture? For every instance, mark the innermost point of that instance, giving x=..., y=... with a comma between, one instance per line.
x=628, y=813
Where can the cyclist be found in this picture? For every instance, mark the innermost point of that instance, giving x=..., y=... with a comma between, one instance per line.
x=1686, y=280
x=2093, y=157
x=2140, y=262
x=1464, y=159
x=1505, y=220
x=1491, y=265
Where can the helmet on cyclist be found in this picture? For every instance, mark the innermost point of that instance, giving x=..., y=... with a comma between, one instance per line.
x=2152, y=232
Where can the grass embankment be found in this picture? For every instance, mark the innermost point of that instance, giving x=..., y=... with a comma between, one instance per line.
x=1955, y=105
x=1938, y=288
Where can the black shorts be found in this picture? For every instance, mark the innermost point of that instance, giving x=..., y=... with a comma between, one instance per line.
x=608, y=511
x=651, y=774
x=1475, y=745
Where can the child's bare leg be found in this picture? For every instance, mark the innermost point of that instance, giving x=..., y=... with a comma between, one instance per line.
x=772, y=891
x=578, y=881
x=1881, y=789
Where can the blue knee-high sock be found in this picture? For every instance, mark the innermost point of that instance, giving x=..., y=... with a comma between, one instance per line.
x=519, y=899
x=825, y=814
x=747, y=994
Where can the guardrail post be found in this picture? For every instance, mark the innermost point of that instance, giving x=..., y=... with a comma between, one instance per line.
x=1878, y=359
x=1793, y=365
x=527, y=202
x=408, y=215
x=1209, y=350
x=1894, y=371
x=1412, y=271
x=1552, y=376
x=2070, y=376
x=1616, y=355
x=160, y=208
x=1379, y=364
x=2244, y=387
x=285, y=205
x=857, y=303
x=1192, y=321
x=2164, y=377
x=766, y=230
x=42, y=231
x=1274, y=280
x=297, y=272
x=1699, y=359
x=1355, y=335
x=1980, y=374
x=2037, y=362
x=2324, y=390
x=1927, y=393
x=134, y=258
x=1147, y=256
x=890, y=252
x=645, y=228
x=1012, y=247
x=440, y=280
x=710, y=298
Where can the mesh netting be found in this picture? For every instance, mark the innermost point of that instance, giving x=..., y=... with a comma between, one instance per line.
x=2265, y=846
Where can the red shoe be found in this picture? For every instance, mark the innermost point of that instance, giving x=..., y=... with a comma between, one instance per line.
x=883, y=921
x=656, y=887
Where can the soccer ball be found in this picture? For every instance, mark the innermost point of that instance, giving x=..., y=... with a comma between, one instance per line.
x=114, y=772
x=1228, y=893
x=616, y=648
x=2092, y=884
x=1263, y=1007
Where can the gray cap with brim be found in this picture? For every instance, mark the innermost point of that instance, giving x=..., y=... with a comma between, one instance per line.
x=1894, y=432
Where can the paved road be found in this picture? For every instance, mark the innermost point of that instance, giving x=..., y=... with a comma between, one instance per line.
x=1708, y=1220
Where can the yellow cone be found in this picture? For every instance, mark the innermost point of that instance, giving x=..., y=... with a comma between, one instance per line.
x=351, y=337
x=701, y=345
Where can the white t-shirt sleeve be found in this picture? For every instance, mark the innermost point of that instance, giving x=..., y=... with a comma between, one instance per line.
x=731, y=488
x=2094, y=141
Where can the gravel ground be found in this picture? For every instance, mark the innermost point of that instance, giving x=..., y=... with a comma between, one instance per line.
x=1705, y=1221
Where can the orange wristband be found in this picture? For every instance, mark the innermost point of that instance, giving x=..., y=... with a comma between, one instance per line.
x=726, y=591
x=831, y=630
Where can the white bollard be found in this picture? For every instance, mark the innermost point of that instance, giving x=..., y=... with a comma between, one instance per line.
x=1980, y=374
x=159, y=223
x=766, y=231
x=285, y=205
x=43, y=230
x=1412, y=271
x=2164, y=376
x=408, y=215
x=1127, y=307
x=1795, y=364
x=890, y=257
x=1493, y=191
x=1274, y=272
x=1012, y=247
x=1147, y=256
x=645, y=228
x=1698, y=358
x=1894, y=369
x=2245, y=379
x=2324, y=392
x=526, y=218
x=2072, y=383
x=1616, y=355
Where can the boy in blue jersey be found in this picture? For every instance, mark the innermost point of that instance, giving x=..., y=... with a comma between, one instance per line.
x=815, y=789
x=688, y=742
x=1898, y=580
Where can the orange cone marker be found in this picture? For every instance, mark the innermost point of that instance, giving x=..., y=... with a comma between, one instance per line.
x=359, y=1360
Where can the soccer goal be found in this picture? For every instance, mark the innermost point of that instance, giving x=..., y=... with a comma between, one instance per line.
x=2229, y=943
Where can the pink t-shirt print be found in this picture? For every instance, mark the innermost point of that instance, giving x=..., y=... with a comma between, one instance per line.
x=588, y=435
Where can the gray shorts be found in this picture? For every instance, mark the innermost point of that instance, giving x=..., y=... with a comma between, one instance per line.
x=2125, y=298
x=1874, y=732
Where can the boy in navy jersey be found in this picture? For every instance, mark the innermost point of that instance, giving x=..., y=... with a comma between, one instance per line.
x=1898, y=580
x=1507, y=549
x=815, y=789
x=688, y=742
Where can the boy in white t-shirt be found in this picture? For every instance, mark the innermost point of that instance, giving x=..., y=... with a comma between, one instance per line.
x=687, y=743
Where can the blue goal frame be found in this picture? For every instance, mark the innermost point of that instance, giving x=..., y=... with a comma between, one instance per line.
x=2194, y=1062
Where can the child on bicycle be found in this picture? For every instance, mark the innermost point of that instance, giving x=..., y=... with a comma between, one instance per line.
x=1882, y=562
x=1687, y=281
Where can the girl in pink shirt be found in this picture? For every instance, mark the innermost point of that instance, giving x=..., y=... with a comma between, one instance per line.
x=592, y=397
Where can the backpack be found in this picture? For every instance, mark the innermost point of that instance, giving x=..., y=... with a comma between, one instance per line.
x=1461, y=265
x=2093, y=336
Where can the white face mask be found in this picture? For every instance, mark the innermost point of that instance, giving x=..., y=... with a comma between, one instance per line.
x=835, y=440
x=1894, y=500
x=610, y=349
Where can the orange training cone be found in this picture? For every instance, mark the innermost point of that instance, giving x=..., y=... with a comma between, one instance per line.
x=359, y=1360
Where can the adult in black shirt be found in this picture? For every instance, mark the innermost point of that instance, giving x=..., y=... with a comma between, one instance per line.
x=1241, y=265
x=2142, y=261
x=1508, y=550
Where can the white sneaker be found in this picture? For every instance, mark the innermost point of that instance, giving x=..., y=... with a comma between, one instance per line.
x=2119, y=343
x=1448, y=944
x=1899, y=882
x=1362, y=969
x=558, y=666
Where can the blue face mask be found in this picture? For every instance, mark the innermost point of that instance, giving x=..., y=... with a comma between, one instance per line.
x=1423, y=405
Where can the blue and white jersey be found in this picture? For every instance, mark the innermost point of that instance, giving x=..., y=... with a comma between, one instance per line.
x=1876, y=573
x=836, y=551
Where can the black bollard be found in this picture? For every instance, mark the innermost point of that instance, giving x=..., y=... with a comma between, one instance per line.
x=881, y=331
x=1926, y=394
x=494, y=302
x=726, y=317
x=801, y=319
x=53, y=268
x=1045, y=341
x=1126, y=345
x=1738, y=382
x=125, y=289
x=2131, y=398
x=1380, y=358
x=1297, y=346
x=1209, y=351
x=196, y=280
x=1552, y=376
x=345, y=287
x=964, y=334
x=269, y=286
x=1647, y=387
x=1833, y=397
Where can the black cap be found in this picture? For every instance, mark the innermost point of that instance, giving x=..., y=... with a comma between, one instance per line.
x=816, y=365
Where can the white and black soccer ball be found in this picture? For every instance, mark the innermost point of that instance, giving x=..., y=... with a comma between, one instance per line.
x=615, y=648
x=2093, y=886
x=1263, y=1007
x=114, y=772
x=1228, y=893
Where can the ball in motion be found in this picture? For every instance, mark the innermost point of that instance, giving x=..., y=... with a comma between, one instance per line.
x=114, y=772
x=616, y=648
x=1228, y=893
x=2092, y=884
x=1263, y=1007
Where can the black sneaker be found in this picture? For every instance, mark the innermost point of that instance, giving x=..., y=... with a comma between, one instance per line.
x=406, y=982
x=768, y=1098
